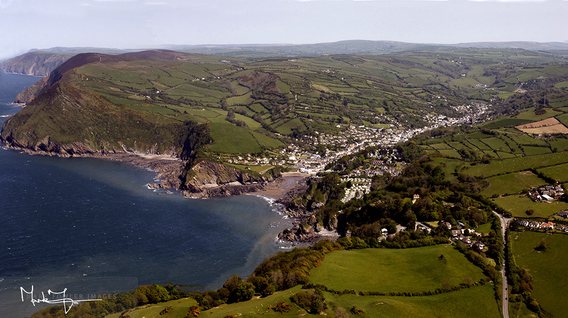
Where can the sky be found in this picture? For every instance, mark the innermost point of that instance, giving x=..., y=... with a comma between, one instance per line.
x=137, y=24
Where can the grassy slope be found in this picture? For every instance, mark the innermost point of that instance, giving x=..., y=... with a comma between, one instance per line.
x=497, y=167
x=519, y=205
x=512, y=183
x=547, y=268
x=391, y=270
x=462, y=303
x=470, y=302
x=252, y=308
x=232, y=139
x=180, y=309
x=399, y=270
x=192, y=87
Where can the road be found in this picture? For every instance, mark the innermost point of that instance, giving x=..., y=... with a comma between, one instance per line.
x=504, y=224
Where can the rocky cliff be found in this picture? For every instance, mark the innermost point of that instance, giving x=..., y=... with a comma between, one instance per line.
x=209, y=179
x=35, y=63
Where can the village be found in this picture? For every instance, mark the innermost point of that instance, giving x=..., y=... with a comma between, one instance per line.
x=356, y=138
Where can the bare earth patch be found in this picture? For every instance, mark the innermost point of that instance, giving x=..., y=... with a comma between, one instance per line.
x=546, y=126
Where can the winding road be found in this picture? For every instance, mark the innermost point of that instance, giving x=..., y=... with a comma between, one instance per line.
x=504, y=224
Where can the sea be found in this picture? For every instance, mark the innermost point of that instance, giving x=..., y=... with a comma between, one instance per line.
x=92, y=228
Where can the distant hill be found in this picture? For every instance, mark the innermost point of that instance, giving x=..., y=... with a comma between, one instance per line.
x=249, y=104
x=532, y=46
x=37, y=63
x=42, y=62
x=354, y=47
x=291, y=50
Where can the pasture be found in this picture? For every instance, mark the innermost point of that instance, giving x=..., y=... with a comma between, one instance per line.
x=497, y=167
x=392, y=270
x=180, y=308
x=469, y=302
x=512, y=183
x=232, y=139
x=545, y=268
x=557, y=172
x=518, y=205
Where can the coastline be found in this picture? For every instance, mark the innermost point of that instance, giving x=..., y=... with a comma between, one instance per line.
x=281, y=190
x=169, y=169
x=278, y=188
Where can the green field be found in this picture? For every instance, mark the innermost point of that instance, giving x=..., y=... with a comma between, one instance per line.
x=559, y=144
x=545, y=267
x=519, y=205
x=531, y=151
x=506, y=122
x=257, y=307
x=470, y=302
x=496, y=167
x=530, y=115
x=462, y=303
x=391, y=270
x=558, y=172
x=229, y=138
x=180, y=309
x=512, y=183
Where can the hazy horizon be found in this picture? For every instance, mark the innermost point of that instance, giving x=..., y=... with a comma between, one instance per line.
x=138, y=24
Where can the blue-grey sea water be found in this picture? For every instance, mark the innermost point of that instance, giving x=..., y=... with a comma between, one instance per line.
x=92, y=226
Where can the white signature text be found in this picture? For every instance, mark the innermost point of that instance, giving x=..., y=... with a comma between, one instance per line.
x=57, y=298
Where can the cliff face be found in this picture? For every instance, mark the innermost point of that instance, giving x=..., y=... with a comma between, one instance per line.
x=62, y=118
x=209, y=179
x=66, y=121
x=28, y=94
x=34, y=63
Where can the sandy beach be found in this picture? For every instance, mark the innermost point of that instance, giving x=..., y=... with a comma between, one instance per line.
x=278, y=188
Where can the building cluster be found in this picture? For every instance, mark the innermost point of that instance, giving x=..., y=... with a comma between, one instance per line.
x=354, y=139
x=459, y=235
x=464, y=235
x=547, y=193
x=546, y=226
x=359, y=187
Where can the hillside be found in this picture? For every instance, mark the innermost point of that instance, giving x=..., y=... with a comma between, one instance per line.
x=42, y=62
x=248, y=110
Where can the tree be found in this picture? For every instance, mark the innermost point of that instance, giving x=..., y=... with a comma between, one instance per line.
x=232, y=283
x=269, y=290
x=281, y=307
x=312, y=301
x=243, y=292
x=194, y=311
x=541, y=246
